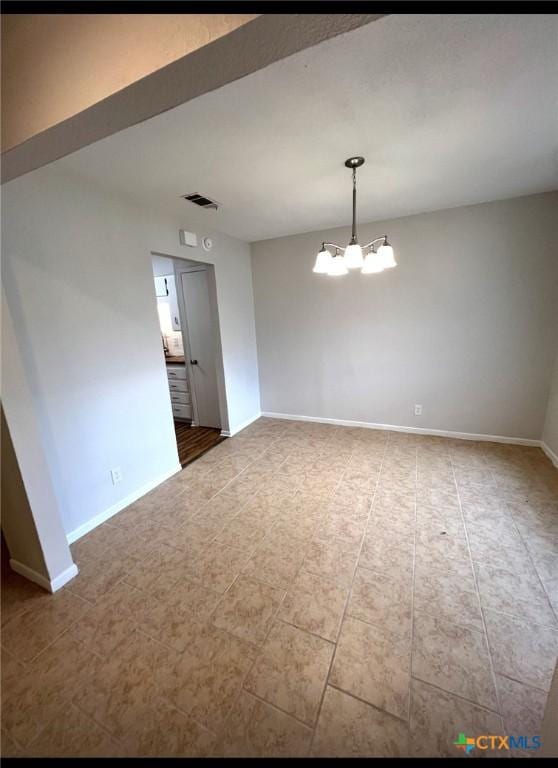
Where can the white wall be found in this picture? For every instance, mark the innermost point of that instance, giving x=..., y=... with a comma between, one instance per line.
x=465, y=325
x=550, y=430
x=162, y=266
x=30, y=516
x=77, y=265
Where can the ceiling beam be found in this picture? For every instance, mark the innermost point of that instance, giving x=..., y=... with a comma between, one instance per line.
x=253, y=46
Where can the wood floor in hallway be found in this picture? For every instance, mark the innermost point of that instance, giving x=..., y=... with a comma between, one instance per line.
x=192, y=442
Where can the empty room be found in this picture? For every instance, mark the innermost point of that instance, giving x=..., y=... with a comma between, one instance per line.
x=279, y=385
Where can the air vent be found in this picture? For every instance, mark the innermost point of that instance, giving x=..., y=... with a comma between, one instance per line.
x=202, y=201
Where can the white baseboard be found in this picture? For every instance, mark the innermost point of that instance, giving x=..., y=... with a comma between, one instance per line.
x=102, y=517
x=411, y=430
x=51, y=585
x=64, y=577
x=239, y=427
x=550, y=453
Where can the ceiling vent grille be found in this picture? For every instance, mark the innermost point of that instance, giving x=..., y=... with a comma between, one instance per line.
x=202, y=201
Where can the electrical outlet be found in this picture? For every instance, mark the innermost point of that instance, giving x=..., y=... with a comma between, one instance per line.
x=418, y=410
x=116, y=475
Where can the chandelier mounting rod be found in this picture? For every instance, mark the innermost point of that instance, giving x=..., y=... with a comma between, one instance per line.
x=353, y=234
x=354, y=163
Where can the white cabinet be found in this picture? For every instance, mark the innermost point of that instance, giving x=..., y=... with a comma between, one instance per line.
x=175, y=371
x=181, y=400
x=182, y=412
x=165, y=290
x=178, y=385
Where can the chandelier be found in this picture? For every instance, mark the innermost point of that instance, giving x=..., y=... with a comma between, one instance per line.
x=373, y=257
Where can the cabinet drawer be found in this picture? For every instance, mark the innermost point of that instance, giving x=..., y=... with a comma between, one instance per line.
x=176, y=372
x=180, y=398
x=181, y=411
x=180, y=385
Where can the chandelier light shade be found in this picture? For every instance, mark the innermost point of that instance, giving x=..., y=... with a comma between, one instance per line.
x=337, y=265
x=323, y=261
x=353, y=255
x=385, y=252
x=372, y=263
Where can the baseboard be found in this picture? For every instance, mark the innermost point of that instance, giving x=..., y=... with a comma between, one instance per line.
x=102, y=517
x=239, y=427
x=51, y=585
x=550, y=453
x=411, y=430
x=64, y=577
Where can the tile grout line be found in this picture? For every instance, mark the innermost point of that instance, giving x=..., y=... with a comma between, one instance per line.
x=454, y=695
x=533, y=563
x=273, y=706
x=375, y=707
x=412, y=645
x=65, y=631
x=349, y=593
x=90, y=717
x=485, y=629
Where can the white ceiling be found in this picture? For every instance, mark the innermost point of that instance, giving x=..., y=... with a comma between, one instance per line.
x=448, y=110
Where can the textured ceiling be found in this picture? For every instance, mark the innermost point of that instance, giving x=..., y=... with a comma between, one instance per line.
x=447, y=109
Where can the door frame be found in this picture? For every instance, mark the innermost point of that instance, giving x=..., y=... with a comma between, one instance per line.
x=183, y=264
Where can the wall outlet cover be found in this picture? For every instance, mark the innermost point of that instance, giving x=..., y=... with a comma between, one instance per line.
x=116, y=475
x=418, y=410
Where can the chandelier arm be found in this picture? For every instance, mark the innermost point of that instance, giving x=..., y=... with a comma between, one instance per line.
x=334, y=245
x=376, y=240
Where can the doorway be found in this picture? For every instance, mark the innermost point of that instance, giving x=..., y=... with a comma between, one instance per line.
x=188, y=319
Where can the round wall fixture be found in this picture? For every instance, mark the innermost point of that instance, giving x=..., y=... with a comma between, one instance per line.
x=207, y=243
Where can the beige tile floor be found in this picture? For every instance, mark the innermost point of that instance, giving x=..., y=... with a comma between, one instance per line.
x=299, y=590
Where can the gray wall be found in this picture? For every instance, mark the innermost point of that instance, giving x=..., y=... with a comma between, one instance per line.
x=550, y=431
x=465, y=325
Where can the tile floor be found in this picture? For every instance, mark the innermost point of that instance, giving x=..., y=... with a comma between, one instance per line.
x=301, y=589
